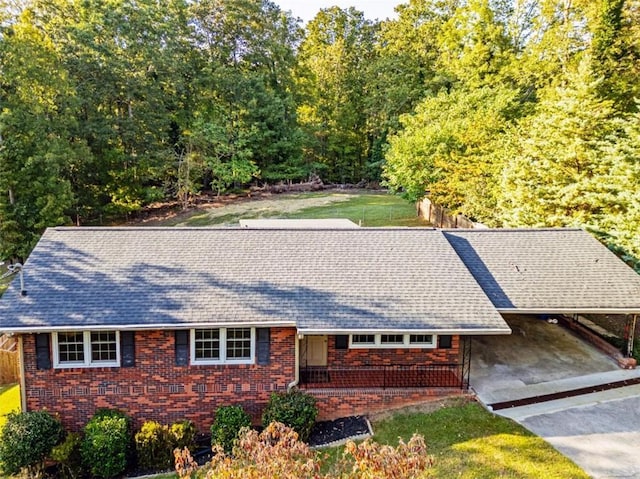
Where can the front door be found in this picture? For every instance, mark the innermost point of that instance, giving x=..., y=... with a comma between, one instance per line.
x=314, y=351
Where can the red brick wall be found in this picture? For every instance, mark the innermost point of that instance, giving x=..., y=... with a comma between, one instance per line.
x=387, y=357
x=156, y=388
x=336, y=403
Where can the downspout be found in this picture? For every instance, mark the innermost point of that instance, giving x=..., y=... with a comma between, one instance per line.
x=23, y=383
x=296, y=365
x=632, y=332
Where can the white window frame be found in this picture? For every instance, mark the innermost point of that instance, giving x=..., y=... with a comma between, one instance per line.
x=86, y=344
x=406, y=343
x=223, y=348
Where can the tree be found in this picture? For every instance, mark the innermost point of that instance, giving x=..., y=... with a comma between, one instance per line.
x=246, y=91
x=574, y=163
x=332, y=61
x=36, y=144
x=448, y=149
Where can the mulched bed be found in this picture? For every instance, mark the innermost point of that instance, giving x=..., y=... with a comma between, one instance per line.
x=326, y=433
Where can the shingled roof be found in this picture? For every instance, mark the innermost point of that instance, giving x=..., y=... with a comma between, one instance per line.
x=547, y=271
x=321, y=281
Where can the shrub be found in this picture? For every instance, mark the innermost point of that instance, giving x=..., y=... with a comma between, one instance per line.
x=67, y=454
x=295, y=409
x=154, y=446
x=370, y=459
x=106, y=442
x=277, y=452
x=226, y=427
x=26, y=440
x=183, y=434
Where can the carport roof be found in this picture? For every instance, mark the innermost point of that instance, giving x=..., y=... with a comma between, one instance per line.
x=547, y=271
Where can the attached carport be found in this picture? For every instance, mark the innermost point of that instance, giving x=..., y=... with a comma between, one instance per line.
x=531, y=275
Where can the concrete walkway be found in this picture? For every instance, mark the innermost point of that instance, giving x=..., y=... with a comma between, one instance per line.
x=598, y=431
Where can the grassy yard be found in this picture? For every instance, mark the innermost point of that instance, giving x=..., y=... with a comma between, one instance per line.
x=468, y=442
x=364, y=208
x=9, y=401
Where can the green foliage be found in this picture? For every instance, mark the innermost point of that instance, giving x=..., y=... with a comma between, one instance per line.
x=26, y=441
x=153, y=446
x=448, y=149
x=156, y=442
x=229, y=421
x=109, y=106
x=331, y=76
x=67, y=454
x=295, y=409
x=106, y=443
x=183, y=435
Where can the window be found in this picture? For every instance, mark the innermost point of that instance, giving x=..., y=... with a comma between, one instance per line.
x=391, y=341
x=222, y=345
x=207, y=344
x=421, y=340
x=78, y=349
x=239, y=343
x=362, y=339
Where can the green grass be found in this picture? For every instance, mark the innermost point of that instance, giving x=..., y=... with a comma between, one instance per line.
x=9, y=401
x=366, y=209
x=471, y=443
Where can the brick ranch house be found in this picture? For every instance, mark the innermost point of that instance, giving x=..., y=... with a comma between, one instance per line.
x=170, y=323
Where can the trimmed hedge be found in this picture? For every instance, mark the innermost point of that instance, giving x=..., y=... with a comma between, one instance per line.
x=106, y=444
x=295, y=409
x=229, y=420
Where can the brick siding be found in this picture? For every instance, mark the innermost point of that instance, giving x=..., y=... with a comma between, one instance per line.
x=336, y=403
x=389, y=357
x=156, y=388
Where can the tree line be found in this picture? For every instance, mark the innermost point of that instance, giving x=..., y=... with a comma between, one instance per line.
x=513, y=112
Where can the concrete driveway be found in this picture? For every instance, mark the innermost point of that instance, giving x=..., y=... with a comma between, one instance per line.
x=598, y=431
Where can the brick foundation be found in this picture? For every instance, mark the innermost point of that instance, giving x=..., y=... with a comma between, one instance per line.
x=336, y=403
x=156, y=388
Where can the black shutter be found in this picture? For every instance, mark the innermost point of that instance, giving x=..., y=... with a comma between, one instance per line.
x=342, y=341
x=444, y=341
x=263, y=345
x=182, y=348
x=43, y=354
x=127, y=349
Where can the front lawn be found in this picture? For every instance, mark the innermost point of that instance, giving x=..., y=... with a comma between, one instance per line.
x=9, y=401
x=467, y=441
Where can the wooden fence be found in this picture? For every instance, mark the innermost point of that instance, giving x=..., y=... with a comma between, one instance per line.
x=441, y=217
x=9, y=368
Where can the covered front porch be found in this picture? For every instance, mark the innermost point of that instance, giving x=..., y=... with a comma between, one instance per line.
x=334, y=362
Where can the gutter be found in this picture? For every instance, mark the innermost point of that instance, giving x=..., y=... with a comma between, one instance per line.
x=142, y=327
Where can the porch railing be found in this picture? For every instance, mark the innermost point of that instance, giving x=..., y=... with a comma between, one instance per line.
x=384, y=376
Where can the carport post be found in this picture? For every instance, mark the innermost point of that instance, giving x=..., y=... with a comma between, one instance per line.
x=632, y=331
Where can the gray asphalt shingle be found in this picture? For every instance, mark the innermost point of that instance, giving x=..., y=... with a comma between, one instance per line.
x=550, y=270
x=318, y=280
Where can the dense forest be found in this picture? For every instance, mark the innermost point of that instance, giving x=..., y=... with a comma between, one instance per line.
x=512, y=112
